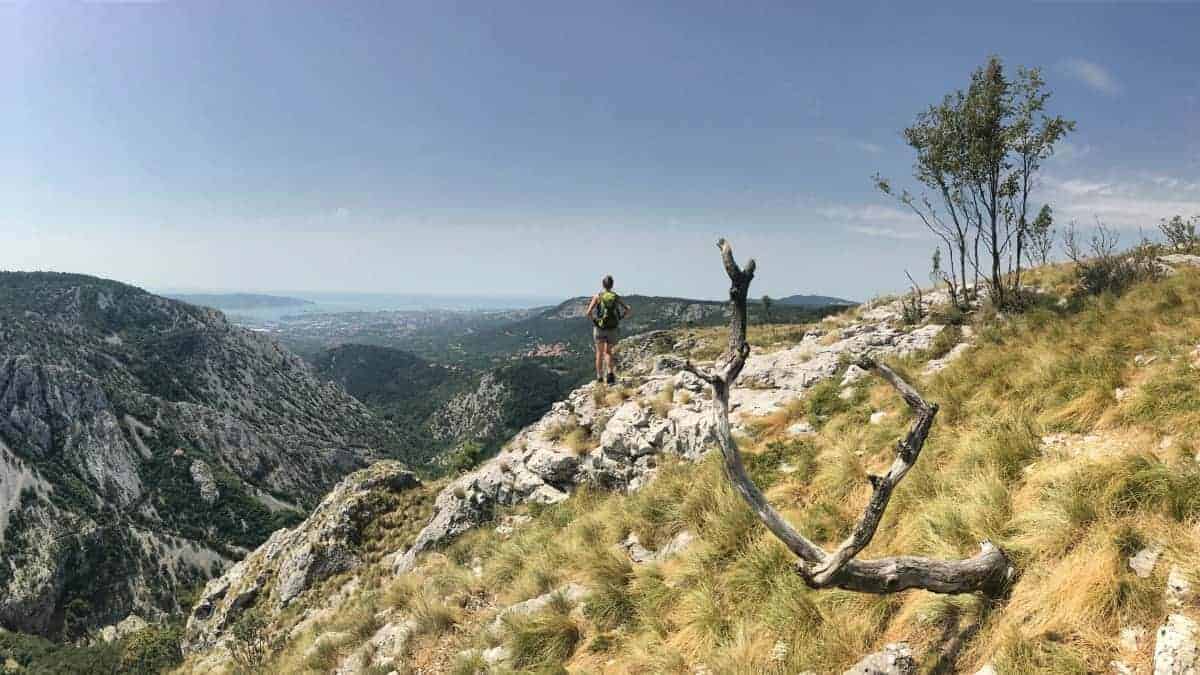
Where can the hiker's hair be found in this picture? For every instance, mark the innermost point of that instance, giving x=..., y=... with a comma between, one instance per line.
x=607, y=282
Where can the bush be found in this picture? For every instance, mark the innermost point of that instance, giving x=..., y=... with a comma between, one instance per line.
x=546, y=638
x=1106, y=270
x=154, y=649
x=249, y=646
x=1180, y=234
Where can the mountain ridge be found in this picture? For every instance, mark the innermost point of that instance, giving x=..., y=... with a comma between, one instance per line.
x=148, y=443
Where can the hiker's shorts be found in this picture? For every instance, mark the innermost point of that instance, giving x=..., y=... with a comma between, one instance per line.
x=608, y=335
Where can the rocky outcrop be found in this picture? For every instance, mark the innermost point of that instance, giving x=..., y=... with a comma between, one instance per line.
x=120, y=414
x=640, y=554
x=202, y=476
x=895, y=659
x=1175, y=650
x=294, y=560
x=474, y=414
x=614, y=438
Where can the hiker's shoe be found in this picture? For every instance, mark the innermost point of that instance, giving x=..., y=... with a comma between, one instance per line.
x=612, y=378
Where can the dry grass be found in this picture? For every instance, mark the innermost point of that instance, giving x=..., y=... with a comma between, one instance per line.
x=1070, y=516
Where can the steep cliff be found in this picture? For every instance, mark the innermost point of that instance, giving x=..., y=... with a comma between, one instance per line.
x=145, y=444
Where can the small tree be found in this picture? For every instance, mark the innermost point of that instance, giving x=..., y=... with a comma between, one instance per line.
x=1179, y=233
x=1040, y=235
x=766, y=304
x=978, y=153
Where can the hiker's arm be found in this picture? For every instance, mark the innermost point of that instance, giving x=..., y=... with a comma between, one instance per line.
x=627, y=308
x=591, y=306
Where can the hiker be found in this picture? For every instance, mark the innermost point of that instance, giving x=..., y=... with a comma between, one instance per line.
x=606, y=311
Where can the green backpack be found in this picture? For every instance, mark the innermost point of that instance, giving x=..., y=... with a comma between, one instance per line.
x=608, y=315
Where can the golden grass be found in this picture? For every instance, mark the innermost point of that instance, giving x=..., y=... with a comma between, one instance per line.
x=1069, y=514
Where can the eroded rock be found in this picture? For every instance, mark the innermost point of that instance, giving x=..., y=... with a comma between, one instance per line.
x=894, y=659
x=1175, y=651
x=292, y=561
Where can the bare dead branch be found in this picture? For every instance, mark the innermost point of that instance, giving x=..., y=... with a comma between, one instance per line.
x=988, y=572
x=907, y=452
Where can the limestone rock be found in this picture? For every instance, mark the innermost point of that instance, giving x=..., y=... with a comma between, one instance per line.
x=1131, y=638
x=202, y=476
x=1175, y=651
x=573, y=593
x=640, y=554
x=801, y=428
x=895, y=659
x=292, y=561
x=853, y=375
x=940, y=364
x=1179, y=589
x=1177, y=260
x=553, y=466
x=1142, y=563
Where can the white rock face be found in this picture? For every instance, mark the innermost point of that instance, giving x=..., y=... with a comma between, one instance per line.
x=1176, y=260
x=1142, y=563
x=801, y=428
x=291, y=561
x=202, y=476
x=1179, y=591
x=1131, y=638
x=573, y=593
x=631, y=436
x=1175, y=651
x=895, y=659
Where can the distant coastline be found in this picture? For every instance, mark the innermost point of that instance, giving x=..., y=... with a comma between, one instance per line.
x=240, y=301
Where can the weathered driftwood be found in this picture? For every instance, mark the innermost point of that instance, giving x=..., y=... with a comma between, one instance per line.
x=988, y=572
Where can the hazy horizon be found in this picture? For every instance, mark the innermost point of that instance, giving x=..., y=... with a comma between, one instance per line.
x=528, y=150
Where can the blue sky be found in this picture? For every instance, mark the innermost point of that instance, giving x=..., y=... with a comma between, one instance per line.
x=530, y=147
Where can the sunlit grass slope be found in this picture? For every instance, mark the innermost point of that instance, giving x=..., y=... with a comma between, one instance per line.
x=1110, y=380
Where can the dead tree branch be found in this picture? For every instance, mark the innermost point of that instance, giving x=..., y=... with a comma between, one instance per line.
x=987, y=572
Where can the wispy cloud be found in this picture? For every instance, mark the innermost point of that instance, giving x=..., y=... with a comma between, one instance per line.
x=874, y=221
x=883, y=232
x=1091, y=74
x=1125, y=201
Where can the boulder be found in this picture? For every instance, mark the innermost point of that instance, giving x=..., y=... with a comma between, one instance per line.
x=573, y=593
x=1179, y=591
x=801, y=428
x=895, y=659
x=292, y=561
x=1142, y=563
x=553, y=466
x=1175, y=651
x=853, y=374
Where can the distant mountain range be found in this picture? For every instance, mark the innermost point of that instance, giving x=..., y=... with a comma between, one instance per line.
x=814, y=301
x=238, y=301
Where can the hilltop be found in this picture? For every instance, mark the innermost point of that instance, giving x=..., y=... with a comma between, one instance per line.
x=238, y=301
x=814, y=301
x=147, y=444
x=606, y=539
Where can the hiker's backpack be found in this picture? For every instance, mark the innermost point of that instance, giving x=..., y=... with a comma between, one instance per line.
x=607, y=313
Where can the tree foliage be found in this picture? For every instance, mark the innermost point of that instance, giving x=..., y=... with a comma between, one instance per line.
x=978, y=153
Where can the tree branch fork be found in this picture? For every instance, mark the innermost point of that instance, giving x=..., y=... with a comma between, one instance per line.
x=989, y=572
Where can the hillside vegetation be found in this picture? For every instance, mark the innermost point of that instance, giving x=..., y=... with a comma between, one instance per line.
x=1066, y=436
x=145, y=444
